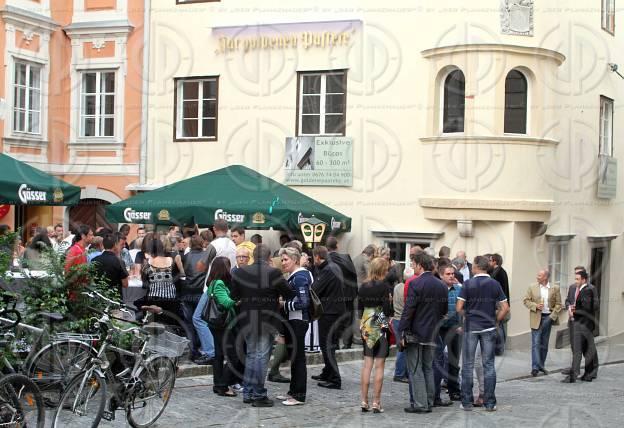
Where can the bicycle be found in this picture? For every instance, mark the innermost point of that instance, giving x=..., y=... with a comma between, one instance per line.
x=21, y=402
x=142, y=390
x=53, y=359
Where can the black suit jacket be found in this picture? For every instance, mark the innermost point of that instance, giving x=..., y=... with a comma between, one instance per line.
x=425, y=308
x=349, y=276
x=258, y=287
x=328, y=287
x=500, y=275
x=587, y=305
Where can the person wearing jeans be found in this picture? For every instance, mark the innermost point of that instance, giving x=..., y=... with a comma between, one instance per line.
x=400, y=368
x=256, y=363
x=543, y=299
x=207, y=348
x=477, y=302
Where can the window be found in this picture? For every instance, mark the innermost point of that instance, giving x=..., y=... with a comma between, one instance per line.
x=454, y=102
x=558, y=262
x=321, y=103
x=608, y=16
x=196, y=108
x=606, y=126
x=97, y=110
x=515, y=103
x=27, y=98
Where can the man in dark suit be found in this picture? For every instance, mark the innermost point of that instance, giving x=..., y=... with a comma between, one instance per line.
x=258, y=287
x=499, y=274
x=584, y=313
x=328, y=287
x=349, y=288
x=425, y=308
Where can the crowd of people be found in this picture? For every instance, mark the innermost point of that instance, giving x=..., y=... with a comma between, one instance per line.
x=448, y=317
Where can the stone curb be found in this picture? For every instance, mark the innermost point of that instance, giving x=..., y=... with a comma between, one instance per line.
x=312, y=358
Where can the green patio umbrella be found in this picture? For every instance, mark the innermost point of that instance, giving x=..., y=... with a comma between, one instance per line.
x=21, y=184
x=237, y=194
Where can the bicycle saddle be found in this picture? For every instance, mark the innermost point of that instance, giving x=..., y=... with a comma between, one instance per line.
x=154, y=328
x=51, y=317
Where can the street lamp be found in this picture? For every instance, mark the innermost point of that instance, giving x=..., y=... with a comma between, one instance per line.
x=312, y=230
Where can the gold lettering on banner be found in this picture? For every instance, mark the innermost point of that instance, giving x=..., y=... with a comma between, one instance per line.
x=307, y=40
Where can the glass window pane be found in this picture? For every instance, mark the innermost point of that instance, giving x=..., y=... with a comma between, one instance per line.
x=190, y=109
x=18, y=123
x=35, y=99
x=107, y=104
x=311, y=104
x=515, y=103
x=310, y=124
x=33, y=122
x=209, y=128
x=89, y=105
x=454, y=102
x=107, y=82
x=334, y=124
x=311, y=84
x=190, y=90
x=335, y=83
x=21, y=98
x=88, y=83
x=210, y=108
x=210, y=89
x=88, y=127
x=334, y=104
x=189, y=128
x=35, y=77
x=108, y=127
x=20, y=74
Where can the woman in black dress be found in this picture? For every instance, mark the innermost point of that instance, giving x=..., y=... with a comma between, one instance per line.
x=375, y=296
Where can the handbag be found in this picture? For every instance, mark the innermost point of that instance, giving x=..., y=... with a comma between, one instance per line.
x=316, y=307
x=214, y=315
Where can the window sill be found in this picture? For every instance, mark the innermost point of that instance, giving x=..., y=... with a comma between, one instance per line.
x=96, y=144
x=512, y=139
x=26, y=139
x=193, y=140
x=321, y=135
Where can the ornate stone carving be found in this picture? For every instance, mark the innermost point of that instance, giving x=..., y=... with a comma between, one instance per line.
x=98, y=44
x=28, y=36
x=517, y=17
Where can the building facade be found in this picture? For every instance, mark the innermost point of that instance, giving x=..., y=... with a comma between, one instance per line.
x=71, y=94
x=487, y=126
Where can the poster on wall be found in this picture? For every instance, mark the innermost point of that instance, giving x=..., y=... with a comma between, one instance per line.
x=319, y=161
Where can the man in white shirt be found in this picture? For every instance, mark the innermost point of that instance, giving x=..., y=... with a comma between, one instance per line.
x=543, y=299
x=221, y=246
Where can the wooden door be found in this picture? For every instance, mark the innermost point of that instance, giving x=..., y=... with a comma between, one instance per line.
x=90, y=212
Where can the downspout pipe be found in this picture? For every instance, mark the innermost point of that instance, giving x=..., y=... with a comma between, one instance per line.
x=147, y=4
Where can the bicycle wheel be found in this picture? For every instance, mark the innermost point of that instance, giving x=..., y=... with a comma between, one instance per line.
x=152, y=394
x=82, y=403
x=55, y=365
x=21, y=403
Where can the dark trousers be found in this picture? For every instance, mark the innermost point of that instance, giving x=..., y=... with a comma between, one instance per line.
x=584, y=346
x=225, y=342
x=188, y=308
x=295, y=343
x=349, y=325
x=448, y=339
x=329, y=330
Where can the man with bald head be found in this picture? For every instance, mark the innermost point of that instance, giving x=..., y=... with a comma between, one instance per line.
x=466, y=267
x=543, y=299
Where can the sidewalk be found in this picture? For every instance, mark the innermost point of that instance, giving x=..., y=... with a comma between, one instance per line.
x=515, y=364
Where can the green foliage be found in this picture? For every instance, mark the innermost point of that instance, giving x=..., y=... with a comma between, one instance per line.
x=7, y=243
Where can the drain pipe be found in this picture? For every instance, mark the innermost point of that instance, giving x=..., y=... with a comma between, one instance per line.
x=145, y=92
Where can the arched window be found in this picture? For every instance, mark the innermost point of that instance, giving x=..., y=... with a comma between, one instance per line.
x=454, y=102
x=515, y=103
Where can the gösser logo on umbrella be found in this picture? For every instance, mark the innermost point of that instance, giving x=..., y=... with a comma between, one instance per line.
x=27, y=195
x=130, y=215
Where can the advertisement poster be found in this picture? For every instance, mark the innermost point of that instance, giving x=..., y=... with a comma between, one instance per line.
x=319, y=161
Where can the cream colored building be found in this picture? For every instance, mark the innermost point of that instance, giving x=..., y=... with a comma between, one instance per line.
x=486, y=126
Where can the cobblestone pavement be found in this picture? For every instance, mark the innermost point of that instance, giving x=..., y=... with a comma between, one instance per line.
x=541, y=401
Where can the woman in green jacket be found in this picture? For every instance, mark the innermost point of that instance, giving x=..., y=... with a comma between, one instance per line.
x=218, y=282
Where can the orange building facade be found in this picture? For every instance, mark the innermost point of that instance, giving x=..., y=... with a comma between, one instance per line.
x=71, y=91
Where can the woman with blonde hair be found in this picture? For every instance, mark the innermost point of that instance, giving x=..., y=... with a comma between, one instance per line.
x=375, y=296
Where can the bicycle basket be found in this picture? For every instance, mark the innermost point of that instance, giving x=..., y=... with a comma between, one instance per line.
x=167, y=344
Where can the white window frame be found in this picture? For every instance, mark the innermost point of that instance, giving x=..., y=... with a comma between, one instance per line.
x=27, y=107
x=606, y=126
x=607, y=16
x=558, y=262
x=97, y=116
x=200, y=108
x=323, y=94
